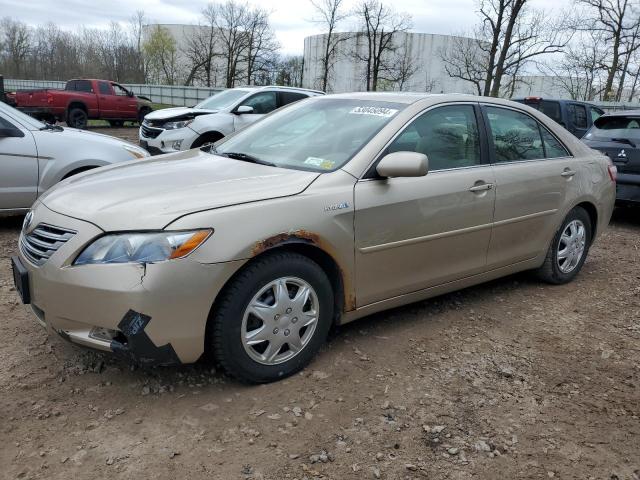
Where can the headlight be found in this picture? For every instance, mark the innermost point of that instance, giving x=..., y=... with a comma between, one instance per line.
x=142, y=247
x=176, y=125
x=136, y=152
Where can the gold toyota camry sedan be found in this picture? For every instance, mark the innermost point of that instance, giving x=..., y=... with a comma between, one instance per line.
x=323, y=212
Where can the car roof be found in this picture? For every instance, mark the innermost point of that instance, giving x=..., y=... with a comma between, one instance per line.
x=250, y=88
x=624, y=113
x=547, y=99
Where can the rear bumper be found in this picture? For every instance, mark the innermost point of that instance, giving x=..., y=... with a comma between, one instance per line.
x=628, y=190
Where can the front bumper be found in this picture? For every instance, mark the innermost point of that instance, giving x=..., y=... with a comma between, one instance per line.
x=165, y=142
x=157, y=311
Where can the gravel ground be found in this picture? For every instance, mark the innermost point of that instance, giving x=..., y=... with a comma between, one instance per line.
x=511, y=379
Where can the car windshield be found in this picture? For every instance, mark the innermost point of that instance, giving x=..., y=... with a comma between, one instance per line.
x=24, y=119
x=222, y=100
x=318, y=134
x=615, y=127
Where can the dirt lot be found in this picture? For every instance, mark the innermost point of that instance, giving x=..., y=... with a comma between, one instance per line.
x=512, y=379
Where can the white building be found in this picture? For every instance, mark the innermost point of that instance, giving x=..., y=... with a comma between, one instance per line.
x=422, y=49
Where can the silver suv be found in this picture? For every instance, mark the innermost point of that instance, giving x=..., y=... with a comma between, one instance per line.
x=182, y=128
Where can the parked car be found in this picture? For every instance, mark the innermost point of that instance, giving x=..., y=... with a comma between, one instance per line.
x=617, y=135
x=34, y=156
x=328, y=210
x=574, y=115
x=182, y=128
x=82, y=100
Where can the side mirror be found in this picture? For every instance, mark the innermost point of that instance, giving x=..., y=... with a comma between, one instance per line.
x=11, y=132
x=130, y=93
x=403, y=164
x=243, y=109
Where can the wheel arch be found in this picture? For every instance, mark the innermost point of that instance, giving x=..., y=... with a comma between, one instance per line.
x=212, y=135
x=592, y=211
x=307, y=248
x=77, y=104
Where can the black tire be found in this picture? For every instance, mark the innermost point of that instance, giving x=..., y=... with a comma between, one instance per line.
x=141, y=114
x=77, y=118
x=550, y=270
x=207, y=138
x=116, y=123
x=224, y=332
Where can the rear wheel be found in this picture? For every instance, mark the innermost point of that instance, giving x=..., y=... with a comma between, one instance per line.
x=569, y=248
x=272, y=318
x=77, y=118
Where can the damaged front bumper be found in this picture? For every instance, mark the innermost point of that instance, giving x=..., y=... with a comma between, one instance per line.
x=152, y=314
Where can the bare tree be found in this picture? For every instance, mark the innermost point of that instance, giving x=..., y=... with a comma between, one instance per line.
x=261, y=44
x=329, y=14
x=200, y=49
x=289, y=71
x=509, y=37
x=464, y=60
x=16, y=42
x=403, y=66
x=230, y=22
x=380, y=24
x=617, y=22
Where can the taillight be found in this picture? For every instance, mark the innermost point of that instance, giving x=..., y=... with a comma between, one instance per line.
x=612, y=169
x=49, y=98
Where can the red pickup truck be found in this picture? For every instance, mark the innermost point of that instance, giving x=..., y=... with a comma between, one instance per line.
x=81, y=100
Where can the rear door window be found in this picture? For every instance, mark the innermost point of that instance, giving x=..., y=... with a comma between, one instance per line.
x=290, y=97
x=552, y=146
x=551, y=109
x=516, y=136
x=577, y=115
x=83, y=86
x=71, y=85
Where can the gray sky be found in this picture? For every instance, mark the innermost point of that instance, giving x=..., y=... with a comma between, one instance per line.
x=291, y=19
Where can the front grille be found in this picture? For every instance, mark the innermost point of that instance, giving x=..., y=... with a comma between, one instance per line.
x=43, y=241
x=149, y=132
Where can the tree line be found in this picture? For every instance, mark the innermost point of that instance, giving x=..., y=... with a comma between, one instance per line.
x=592, y=50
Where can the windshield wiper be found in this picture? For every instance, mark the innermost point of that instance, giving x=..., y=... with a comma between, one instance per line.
x=245, y=157
x=50, y=126
x=624, y=140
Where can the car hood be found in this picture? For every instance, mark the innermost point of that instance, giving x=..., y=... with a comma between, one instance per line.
x=151, y=193
x=177, y=112
x=74, y=136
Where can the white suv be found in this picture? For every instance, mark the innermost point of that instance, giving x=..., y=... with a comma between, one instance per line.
x=182, y=128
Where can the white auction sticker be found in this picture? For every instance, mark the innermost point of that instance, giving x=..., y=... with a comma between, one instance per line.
x=376, y=111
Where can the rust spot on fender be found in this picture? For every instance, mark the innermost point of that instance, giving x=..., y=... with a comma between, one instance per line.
x=313, y=238
x=280, y=238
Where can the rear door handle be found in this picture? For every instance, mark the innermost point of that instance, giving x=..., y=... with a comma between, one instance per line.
x=568, y=173
x=482, y=187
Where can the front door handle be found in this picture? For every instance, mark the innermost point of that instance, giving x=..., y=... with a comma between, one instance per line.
x=482, y=187
x=568, y=173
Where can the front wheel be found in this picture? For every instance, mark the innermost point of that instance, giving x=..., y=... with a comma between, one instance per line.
x=568, y=250
x=272, y=318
